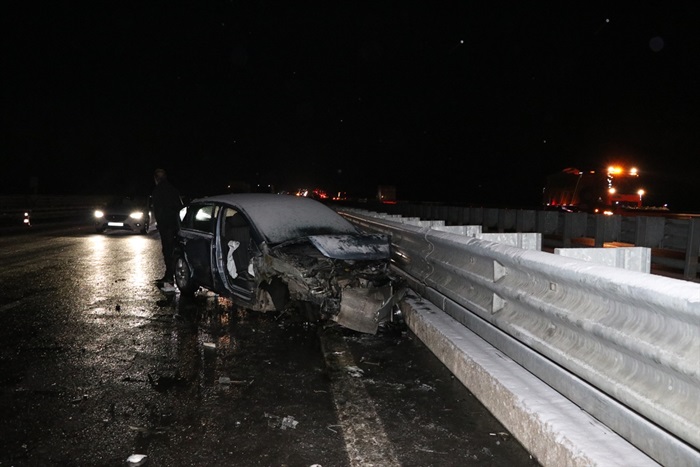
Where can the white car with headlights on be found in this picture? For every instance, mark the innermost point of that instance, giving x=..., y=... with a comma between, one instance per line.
x=125, y=213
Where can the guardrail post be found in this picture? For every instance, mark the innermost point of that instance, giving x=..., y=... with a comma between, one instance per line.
x=690, y=270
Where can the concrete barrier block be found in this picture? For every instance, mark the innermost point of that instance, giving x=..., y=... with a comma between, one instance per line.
x=527, y=241
x=630, y=258
x=554, y=430
x=468, y=230
x=415, y=221
x=424, y=223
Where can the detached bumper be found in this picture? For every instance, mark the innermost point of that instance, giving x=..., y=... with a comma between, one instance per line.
x=362, y=309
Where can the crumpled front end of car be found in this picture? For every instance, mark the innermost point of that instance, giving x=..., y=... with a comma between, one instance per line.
x=356, y=293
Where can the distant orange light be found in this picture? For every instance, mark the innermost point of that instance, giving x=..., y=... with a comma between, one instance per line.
x=612, y=191
x=320, y=193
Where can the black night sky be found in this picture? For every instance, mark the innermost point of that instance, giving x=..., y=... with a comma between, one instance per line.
x=451, y=101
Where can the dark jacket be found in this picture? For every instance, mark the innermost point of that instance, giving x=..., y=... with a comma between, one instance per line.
x=166, y=205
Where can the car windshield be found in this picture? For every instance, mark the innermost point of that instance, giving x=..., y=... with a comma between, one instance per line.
x=281, y=218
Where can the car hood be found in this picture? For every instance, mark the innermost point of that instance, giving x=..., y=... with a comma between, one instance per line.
x=352, y=247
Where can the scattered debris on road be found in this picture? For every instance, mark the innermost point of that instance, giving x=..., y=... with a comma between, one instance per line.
x=136, y=460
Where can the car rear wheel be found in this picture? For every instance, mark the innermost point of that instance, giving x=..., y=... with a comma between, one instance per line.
x=183, y=277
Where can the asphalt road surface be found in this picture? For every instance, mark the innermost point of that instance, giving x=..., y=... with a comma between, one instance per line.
x=97, y=366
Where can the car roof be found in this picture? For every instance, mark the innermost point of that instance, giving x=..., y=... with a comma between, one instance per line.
x=280, y=218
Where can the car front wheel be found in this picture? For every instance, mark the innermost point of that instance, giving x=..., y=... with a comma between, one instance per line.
x=183, y=277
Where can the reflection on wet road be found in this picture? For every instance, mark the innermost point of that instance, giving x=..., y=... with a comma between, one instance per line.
x=97, y=365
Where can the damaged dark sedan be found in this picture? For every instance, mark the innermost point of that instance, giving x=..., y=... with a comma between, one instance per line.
x=278, y=252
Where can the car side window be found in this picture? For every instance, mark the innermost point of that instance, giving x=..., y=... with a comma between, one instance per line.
x=204, y=217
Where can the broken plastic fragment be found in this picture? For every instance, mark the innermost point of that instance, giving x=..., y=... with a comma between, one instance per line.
x=354, y=371
x=289, y=422
x=136, y=459
x=361, y=309
x=209, y=345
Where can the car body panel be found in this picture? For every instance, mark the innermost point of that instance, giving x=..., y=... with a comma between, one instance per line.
x=362, y=309
x=198, y=249
x=352, y=246
x=300, y=251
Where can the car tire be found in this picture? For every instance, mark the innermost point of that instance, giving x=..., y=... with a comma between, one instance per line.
x=144, y=229
x=100, y=229
x=183, y=277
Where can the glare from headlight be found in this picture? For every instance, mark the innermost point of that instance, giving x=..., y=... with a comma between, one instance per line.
x=136, y=215
x=99, y=214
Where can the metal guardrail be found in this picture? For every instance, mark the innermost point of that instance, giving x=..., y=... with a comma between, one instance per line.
x=29, y=218
x=630, y=336
x=32, y=210
x=15, y=218
x=675, y=242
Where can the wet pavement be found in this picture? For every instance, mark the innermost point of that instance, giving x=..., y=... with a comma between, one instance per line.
x=97, y=365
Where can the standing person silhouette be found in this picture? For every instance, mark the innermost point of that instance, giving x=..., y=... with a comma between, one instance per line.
x=166, y=209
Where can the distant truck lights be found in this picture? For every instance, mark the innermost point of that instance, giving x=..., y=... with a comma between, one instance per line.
x=629, y=195
x=617, y=170
x=597, y=192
